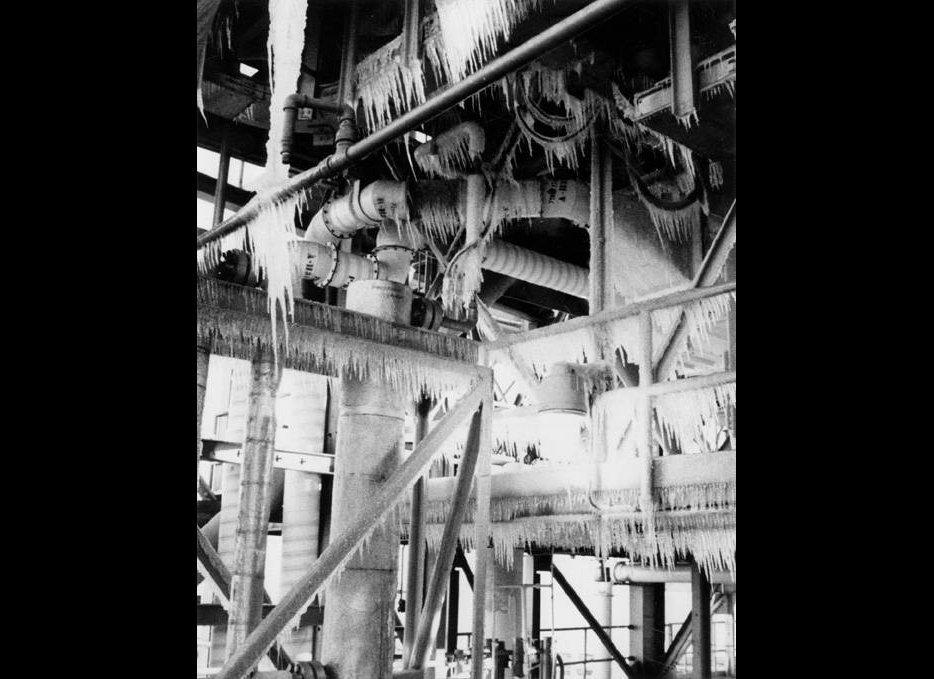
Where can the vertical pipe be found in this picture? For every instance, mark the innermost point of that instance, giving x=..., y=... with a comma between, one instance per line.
x=700, y=622
x=301, y=504
x=358, y=637
x=484, y=548
x=345, y=88
x=226, y=541
x=682, y=66
x=248, y=569
x=411, y=33
x=604, y=613
x=449, y=538
x=416, y=561
x=223, y=168
x=547, y=671
x=537, y=617
x=646, y=440
x=598, y=161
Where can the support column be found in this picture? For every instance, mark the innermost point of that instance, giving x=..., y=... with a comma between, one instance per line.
x=601, y=220
x=505, y=609
x=202, y=358
x=358, y=638
x=647, y=615
x=249, y=562
x=482, y=537
x=301, y=503
x=700, y=622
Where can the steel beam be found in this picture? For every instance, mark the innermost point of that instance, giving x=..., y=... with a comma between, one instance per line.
x=342, y=545
x=709, y=273
x=601, y=633
x=611, y=315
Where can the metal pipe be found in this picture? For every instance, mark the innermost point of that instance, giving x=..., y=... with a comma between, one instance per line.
x=601, y=633
x=223, y=169
x=416, y=561
x=447, y=97
x=247, y=572
x=639, y=575
x=348, y=54
x=293, y=102
x=442, y=568
x=347, y=539
x=536, y=268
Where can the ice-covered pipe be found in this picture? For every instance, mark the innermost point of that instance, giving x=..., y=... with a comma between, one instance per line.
x=536, y=268
x=362, y=207
x=326, y=265
x=548, y=198
x=395, y=247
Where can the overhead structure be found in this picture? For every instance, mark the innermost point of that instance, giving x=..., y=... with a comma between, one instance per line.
x=486, y=284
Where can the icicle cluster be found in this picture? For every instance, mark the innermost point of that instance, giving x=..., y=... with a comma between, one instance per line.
x=694, y=418
x=333, y=341
x=710, y=536
x=268, y=236
x=385, y=85
x=452, y=152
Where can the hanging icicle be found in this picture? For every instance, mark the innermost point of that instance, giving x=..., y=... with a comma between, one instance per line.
x=471, y=29
x=386, y=86
x=452, y=152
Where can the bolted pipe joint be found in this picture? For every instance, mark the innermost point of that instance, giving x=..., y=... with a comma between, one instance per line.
x=296, y=101
x=360, y=208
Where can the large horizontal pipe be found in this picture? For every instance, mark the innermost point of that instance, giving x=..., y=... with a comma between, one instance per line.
x=639, y=575
x=449, y=96
x=534, y=267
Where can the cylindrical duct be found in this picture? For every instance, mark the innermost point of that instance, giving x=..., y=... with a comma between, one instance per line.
x=300, y=523
x=358, y=639
x=548, y=198
x=325, y=265
x=533, y=267
x=366, y=206
x=638, y=575
x=395, y=248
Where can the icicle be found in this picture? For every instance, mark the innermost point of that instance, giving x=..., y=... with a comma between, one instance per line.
x=472, y=28
x=385, y=85
x=451, y=153
x=232, y=322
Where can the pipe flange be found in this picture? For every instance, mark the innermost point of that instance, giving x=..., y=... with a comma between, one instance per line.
x=333, y=270
x=375, y=261
x=400, y=248
x=325, y=219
